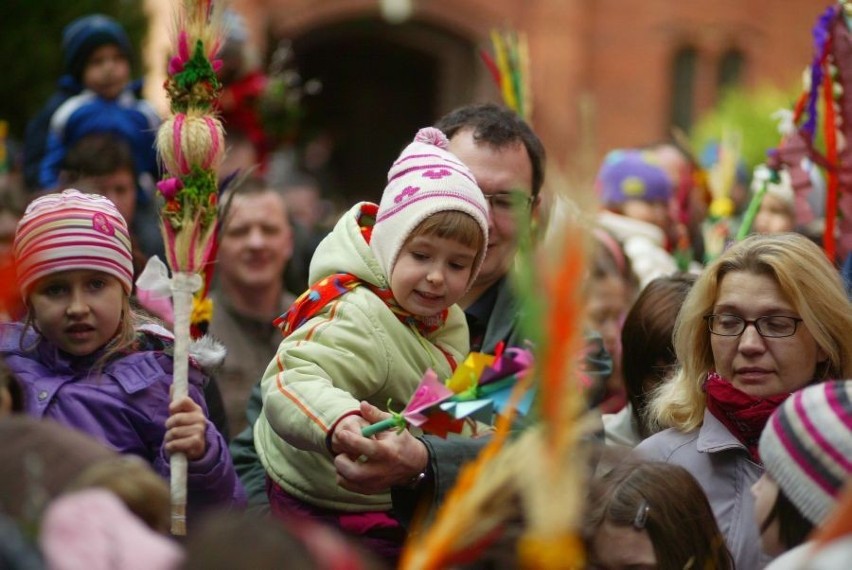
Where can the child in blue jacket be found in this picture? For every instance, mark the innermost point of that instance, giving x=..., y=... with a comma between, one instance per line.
x=97, y=56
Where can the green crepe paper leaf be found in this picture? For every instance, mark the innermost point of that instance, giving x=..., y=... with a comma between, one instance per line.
x=196, y=86
x=527, y=286
x=199, y=195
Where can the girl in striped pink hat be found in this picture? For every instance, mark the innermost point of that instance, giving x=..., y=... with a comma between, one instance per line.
x=88, y=360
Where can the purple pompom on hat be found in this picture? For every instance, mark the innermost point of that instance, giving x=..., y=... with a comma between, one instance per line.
x=628, y=174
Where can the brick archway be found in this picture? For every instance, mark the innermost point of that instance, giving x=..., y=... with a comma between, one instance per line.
x=381, y=83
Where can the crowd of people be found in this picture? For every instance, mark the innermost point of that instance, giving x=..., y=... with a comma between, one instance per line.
x=721, y=377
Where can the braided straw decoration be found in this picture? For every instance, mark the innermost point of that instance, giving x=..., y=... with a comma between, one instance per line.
x=191, y=139
x=191, y=147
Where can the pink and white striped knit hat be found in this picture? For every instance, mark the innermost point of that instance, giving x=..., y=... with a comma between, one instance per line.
x=72, y=230
x=424, y=180
x=806, y=446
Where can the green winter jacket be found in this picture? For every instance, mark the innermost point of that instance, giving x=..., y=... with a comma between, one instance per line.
x=354, y=349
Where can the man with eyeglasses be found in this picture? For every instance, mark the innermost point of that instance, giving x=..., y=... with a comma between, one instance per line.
x=507, y=160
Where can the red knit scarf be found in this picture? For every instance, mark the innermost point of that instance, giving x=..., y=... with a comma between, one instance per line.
x=330, y=288
x=745, y=416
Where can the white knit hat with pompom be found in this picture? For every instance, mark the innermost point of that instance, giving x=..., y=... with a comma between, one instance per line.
x=424, y=180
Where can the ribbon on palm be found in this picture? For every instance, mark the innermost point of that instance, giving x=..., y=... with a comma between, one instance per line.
x=190, y=144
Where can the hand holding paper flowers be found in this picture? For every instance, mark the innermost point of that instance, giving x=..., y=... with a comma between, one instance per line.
x=479, y=387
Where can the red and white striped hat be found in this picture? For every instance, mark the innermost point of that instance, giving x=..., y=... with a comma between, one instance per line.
x=72, y=230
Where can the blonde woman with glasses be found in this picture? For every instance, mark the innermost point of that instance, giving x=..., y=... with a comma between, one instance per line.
x=766, y=318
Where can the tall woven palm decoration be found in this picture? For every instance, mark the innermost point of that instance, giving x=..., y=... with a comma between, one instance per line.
x=552, y=474
x=539, y=476
x=828, y=87
x=721, y=179
x=510, y=69
x=542, y=470
x=190, y=144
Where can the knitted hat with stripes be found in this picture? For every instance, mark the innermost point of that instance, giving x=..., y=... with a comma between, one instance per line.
x=71, y=230
x=806, y=446
x=424, y=180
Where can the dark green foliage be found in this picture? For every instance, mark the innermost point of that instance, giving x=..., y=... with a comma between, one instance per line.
x=30, y=41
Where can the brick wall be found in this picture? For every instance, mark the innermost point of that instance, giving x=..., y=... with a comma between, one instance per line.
x=614, y=55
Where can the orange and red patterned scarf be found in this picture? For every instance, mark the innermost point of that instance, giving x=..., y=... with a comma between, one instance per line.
x=320, y=294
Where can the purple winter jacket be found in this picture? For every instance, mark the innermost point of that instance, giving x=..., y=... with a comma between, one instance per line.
x=125, y=406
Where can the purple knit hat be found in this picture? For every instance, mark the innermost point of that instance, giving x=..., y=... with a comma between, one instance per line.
x=424, y=180
x=806, y=446
x=72, y=230
x=632, y=174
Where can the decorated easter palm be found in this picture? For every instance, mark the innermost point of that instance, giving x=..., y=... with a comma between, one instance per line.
x=721, y=179
x=828, y=87
x=543, y=468
x=509, y=68
x=190, y=145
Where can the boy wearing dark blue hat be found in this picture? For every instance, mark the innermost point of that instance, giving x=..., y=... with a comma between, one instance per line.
x=85, y=35
x=96, y=56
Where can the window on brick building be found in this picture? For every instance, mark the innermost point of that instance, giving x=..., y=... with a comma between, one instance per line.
x=683, y=88
x=730, y=69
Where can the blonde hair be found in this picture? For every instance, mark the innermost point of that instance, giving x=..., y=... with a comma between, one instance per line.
x=133, y=316
x=808, y=281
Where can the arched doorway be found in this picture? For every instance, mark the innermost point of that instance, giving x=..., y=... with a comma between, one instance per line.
x=380, y=83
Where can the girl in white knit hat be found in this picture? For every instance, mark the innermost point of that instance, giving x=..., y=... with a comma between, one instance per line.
x=381, y=312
